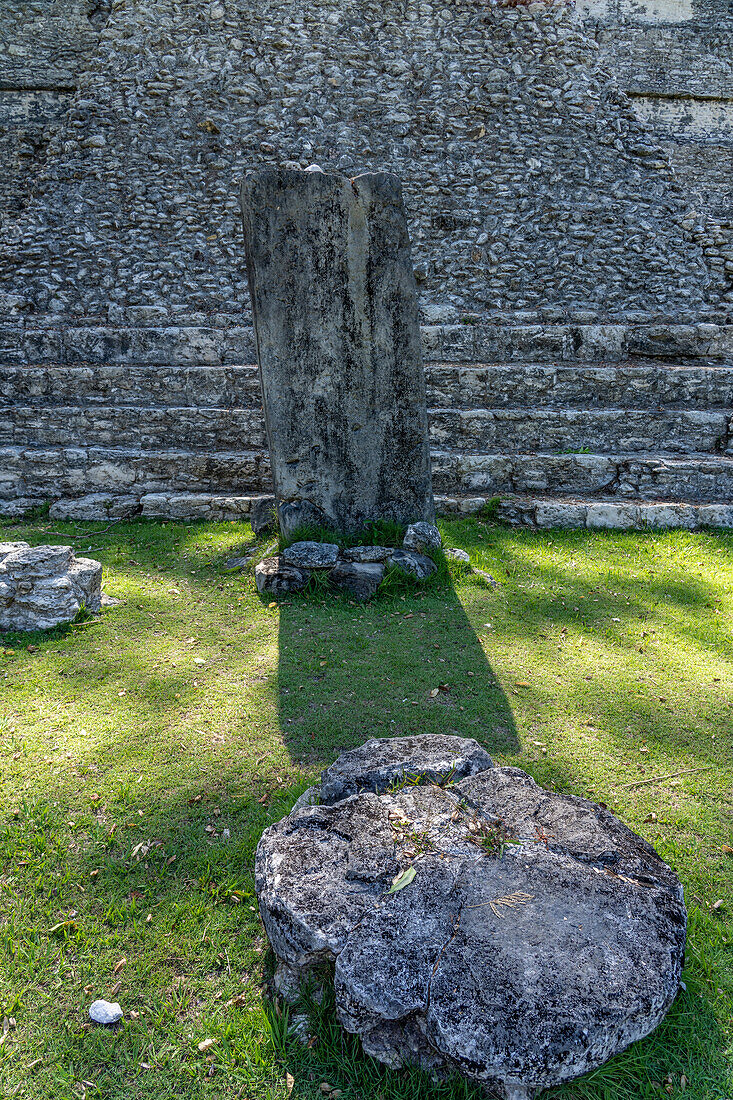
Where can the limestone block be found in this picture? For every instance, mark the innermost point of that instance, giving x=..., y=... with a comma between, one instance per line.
x=417, y=565
x=360, y=580
x=43, y=586
x=277, y=577
x=311, y=555
x=559, y=513
x=518, y=962
x=338, y=342
x=422, y=536
x=95, y=506
x=367, y=554
x=621, y=517
x=715, y=515
x=665, y=516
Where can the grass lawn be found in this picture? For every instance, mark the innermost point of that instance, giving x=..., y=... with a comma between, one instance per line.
x=142, y=752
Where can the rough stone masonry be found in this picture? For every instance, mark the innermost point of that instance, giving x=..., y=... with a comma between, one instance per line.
x=335, y=311
x=469, y=919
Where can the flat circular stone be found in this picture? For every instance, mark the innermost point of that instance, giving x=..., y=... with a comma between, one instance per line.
x=517, y=935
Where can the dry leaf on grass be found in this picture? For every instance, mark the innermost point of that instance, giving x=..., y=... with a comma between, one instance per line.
x=206, y=1044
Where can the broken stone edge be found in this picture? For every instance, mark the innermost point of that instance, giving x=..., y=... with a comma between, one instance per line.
x=346, y=779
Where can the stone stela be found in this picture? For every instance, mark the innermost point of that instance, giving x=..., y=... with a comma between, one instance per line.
x=336, y=322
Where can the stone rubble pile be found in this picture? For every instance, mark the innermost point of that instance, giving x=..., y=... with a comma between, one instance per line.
x=471, y=920
x=43, y=586
x=357, y=571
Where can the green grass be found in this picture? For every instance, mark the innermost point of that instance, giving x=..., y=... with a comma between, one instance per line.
x=130, y=742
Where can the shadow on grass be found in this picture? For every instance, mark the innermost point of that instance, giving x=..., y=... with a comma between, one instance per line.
x=396, y=666
x=344, y=673
x=80, y=900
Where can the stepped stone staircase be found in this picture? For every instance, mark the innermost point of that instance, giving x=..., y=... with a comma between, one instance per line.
x=619, y=426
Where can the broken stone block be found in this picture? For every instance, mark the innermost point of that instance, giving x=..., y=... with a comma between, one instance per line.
x=422, y=536
x=311, y=555
x=417, y=565
x=367, y=553
x=516, y=935
x=335, y=312
x=263, y=515
x=96, y=506
x=381, y=762
x=358, y=579
x=43, y=586
x=277, y=577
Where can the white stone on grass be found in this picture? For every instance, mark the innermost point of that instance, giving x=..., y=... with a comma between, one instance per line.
x=105, y=1012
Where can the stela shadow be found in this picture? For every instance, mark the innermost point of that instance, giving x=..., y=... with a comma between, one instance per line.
x=403, y=664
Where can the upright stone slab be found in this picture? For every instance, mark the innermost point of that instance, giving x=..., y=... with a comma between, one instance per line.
x=338, y=343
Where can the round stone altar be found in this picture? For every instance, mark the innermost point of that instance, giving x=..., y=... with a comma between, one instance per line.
x=476, y=922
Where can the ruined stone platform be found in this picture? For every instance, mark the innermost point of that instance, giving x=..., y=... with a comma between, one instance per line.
x=44, y=586
x=575, y=425
x=472, y=920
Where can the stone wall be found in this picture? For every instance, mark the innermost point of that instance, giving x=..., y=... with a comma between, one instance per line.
x=674, y=59
x=42, y=47
x=532, y=183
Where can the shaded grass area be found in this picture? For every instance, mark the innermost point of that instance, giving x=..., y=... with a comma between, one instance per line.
x=143, y=752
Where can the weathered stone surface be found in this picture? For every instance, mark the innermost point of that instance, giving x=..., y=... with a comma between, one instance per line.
x=263, y=515
x=574, y=239
x=338, y=342
x=43, y=586
x=311, y=555
x=276, y=576
x=417, y=565
x=367, y=553
x=359, y=579
x=457, y=555
x=538, y=937
x=96, y=506
x=120, y=382
x=379, y=763
x=422, y=536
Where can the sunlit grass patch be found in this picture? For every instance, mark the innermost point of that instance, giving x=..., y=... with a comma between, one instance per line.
x=142, y=752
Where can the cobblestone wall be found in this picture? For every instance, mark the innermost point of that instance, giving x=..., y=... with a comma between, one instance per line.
x=532, y=185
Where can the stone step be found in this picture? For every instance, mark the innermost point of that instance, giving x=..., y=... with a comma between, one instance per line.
x=46, y=473
x=628, y=385
x=474, y=341
x=640, y=384
x=102, y=384
x=503, y=430
x=149, y=428
x=640, y=476
x=607, y=430
x=528, y=511
x=569, y=512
